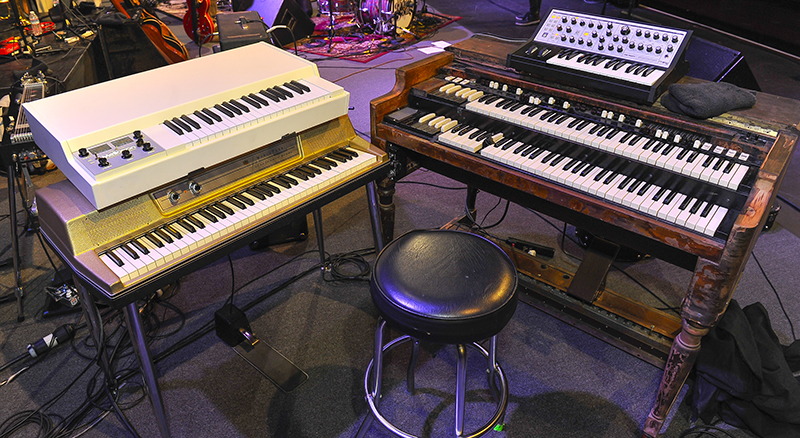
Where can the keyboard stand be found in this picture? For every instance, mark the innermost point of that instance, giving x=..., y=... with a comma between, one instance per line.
x=134, y=322
x=18, y=292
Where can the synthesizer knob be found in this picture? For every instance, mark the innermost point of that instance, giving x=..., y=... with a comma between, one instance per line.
x=599, y=26
x=583, y=23
x=674, y=38
x=600, y=46
x=640, y=46
x=82, y=152
x=664, y=37
x=580, y=41
x=619, y=49
x=649, y=47
x=647, y=34
x=602, y=39
x=610, y=25
x=572, y=39
x=594, y=34
x=559, y=28
x=625, y=30
x=658, y=49
x=624, y=40
x=574, y=20
x=139, y=142
x=563, y=37
x=102, y=161
x=564, y=19
x=569, y=29
x=126, y=154
x=616, y=38
x=655, y=35
x=608, y=33
x=589, y=43
x=591, y=24
x=147, y=147
x=632, y=45
x=638, y=32
x=670, y=48
x=137, y=134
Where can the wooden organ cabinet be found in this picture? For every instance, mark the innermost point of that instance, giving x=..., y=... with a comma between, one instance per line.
x=721, y=196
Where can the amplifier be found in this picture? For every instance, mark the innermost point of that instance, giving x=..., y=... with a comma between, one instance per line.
x=241, y=28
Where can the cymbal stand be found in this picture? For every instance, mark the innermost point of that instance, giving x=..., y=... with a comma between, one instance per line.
x=330, y=26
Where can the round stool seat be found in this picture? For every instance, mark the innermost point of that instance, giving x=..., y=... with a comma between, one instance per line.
x=444, y=286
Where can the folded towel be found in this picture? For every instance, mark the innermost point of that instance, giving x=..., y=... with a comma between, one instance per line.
x=706, y=100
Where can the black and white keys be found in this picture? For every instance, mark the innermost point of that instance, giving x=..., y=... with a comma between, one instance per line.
x=165, y=245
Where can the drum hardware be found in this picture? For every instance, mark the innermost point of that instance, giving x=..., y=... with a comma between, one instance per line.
x=386, y=16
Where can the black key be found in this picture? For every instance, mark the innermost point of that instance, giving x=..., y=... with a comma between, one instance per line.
x=729, y=167
x=279, y=93
x=235, y=202
x=659, y=193
x=117, y=261
x=244, y=199
x=193, y=220
x=230, y=107
x=707, y=210
x=224, y=110
x=271, y=95
x=685, y=203
x=633, y=187
x=181, y=124
x=239, y=105
x=191, y=122
x=644, y=189
x=175, y=233
x=207, y=216
x=648, y=144
x=670, y=197
x=131, y=253
x=311, y=169
x=657, y=148
x=293, y=87
x=139, y=247
x=573, y=123
x=626, y=137
x=696, y=206
x=282, y=183
x=224, y=208
x=627, y=180
x=162, y=235
x=668, y=149
x=682, y=154
x=211, y=114
x=596, y=128
x=185, y=225
x=284, y=91
x=719, y=164
x=304, y=87
x=250, y=101
x=288, y=179
x=349, y=151
x=333, y=157
x=258, y=99
x=272, y=187
x=203, y=117
x=216, y=212
x=154, y=240
x=322, y=164
x=254, y=192
x=708, y=161
x=297, y=174
x=174, y=128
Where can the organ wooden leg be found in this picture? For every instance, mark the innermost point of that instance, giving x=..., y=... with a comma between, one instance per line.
x=682, y=356
x=386, y=204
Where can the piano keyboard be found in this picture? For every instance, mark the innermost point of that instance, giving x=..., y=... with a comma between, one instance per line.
x=180, y=124
x=633, y=60
x=682, y=178
x=195, y=232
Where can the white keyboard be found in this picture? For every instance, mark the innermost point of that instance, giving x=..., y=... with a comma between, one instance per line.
x=118, y=139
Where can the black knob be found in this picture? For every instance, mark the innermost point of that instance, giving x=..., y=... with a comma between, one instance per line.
x=139, y=142
x=594, y=34
x=641, y=46
x=583, y=23
x=574, y=20
x=569, y=29
x=658, y=49
x=649, y=47
x=664, y=37
x=625, y=30
x=602, y=39
x=563, y=19
x=674, y=38
x=600, y=47
x=82, y=152
x=563, y=37
x=647, y=34
x=610, y=47
x=624, y=40
x=638, y=32
x=655, y=35
x=559, y=28
x=589, y=43
x=580, y=40
x=147, y=147
x=670, y=48
x=619, y=49
x=137, y=134
x=616, y=38
x=599, y=26
x=572, y=39
x=632, y=45
x=102, y=161
x=126, y=154
x=610, y=25
x=591, y=25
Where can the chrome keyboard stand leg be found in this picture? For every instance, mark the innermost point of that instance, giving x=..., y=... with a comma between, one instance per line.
x=375, y=216
x=148, y=370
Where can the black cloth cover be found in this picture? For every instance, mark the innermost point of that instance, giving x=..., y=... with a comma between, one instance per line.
x=744, y=375
x=706, y=100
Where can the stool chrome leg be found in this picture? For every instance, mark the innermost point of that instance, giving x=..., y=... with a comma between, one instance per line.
x=412, y=365
x=490, y=370
x=374, y=387
x=461, y=387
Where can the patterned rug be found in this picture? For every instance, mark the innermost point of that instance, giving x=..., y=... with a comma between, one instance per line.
x=355, y=41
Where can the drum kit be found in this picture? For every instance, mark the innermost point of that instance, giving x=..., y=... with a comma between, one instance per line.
x=385, y=17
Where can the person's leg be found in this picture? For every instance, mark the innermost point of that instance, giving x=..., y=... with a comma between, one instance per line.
x=532, y=16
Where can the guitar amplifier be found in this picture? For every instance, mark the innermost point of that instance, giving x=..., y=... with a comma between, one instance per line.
x=241, y=28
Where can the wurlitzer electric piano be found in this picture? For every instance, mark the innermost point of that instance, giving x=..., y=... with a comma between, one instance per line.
x=564, y=125
x=167, y=173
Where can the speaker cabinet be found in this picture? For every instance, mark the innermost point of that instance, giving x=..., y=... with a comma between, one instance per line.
x=287, y=13
x=717, y=63
x=238, y=29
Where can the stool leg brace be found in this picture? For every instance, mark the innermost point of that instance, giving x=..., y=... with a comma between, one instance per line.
x=374, y=374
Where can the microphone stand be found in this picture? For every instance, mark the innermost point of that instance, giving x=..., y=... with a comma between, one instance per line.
x=21, y=30
x=330, y=26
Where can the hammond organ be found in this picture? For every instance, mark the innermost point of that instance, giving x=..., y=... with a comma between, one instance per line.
x=693, y=193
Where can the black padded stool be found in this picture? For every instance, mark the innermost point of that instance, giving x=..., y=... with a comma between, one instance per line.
x=445, y=287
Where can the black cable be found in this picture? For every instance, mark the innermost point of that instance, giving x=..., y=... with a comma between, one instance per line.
x=337, y=264
x=44, y=248
x=233, y=281
x=704, y=430
x=775, y=291
x=431, y=185
x=502, y=218
x=15, y=360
